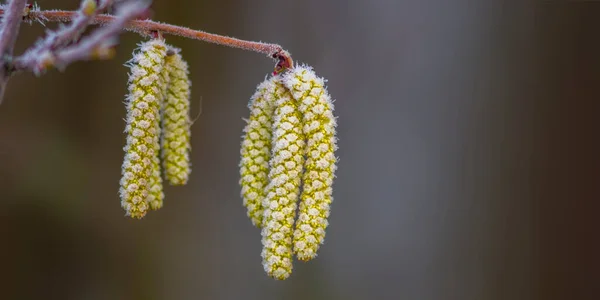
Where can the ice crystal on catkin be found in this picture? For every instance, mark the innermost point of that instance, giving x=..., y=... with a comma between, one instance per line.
x=176, y=123
x=256, y=149
x=319, y=125
x=284, y=183
x=141, y=184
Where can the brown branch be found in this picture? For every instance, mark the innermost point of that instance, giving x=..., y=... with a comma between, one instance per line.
x=149, y=27
x=9, y=29
x=83, y=17
x=10, y=25
x=97, y=45
x=47, y=51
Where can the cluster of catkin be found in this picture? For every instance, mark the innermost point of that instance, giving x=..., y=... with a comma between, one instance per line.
x=288, y=158
x=288, y=161
x=158, y=127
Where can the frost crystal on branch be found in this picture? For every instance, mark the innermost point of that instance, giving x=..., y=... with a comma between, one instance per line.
x=141, y=183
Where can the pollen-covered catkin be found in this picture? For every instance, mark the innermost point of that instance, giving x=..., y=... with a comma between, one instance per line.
x=156, y=195
x=284, y=183
x=146, y=89
x=319, y=128
x=256, y=150
x=176, y=122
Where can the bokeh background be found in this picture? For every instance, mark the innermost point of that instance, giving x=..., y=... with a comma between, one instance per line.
x=469, y=158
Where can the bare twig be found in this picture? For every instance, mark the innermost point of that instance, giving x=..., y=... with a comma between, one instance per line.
x=9, y=29
x=97, y=45
x=55, y=51
x=147, y=27
x=85, y=15
x=39, y=55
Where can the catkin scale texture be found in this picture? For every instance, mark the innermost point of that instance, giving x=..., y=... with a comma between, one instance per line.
x=156, y=195
x=146, y=89
x=256, y=150
x=316, y=107
x=176, y=122
x=286, y=164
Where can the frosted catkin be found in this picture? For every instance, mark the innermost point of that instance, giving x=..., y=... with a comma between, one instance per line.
x=283, y=189
x=176, y=145
x=146, y=89
x=256, y=149
x=316, y=107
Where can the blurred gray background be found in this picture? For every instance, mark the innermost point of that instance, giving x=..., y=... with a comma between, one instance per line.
x=469, y=158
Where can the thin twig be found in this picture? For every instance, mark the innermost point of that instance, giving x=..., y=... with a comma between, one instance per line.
x=85, y=15
x=10, y=25
x=37, y=56
x=147, y=27
x=9, y=29
x=97, y=45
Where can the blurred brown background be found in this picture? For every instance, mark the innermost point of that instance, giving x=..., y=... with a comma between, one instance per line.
x=469, y=158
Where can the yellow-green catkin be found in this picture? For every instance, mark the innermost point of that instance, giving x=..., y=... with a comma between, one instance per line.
x=256, y=149
x=283, y=189
x=156, y=195
x=146, y=89
x=319, y=128
x=176, y=122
